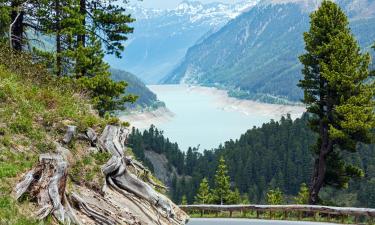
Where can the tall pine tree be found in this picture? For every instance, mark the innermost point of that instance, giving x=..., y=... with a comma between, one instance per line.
x=203, y=195
x=337, y=96
x=222, y=183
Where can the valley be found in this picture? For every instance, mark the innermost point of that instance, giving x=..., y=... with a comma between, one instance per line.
x=205, y=117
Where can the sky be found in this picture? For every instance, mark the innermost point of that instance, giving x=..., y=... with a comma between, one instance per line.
x=170, y=4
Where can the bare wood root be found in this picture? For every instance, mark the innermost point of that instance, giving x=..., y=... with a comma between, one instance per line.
x=46, y=183
x=113, y=141
x=71, y=131
x=89, y=135
x=92, y=213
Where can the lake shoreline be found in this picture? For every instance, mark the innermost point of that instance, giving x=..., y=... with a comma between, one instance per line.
x=206, y=116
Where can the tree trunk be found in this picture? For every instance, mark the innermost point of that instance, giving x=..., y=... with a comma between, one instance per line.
x=320, y=166
x=58, y=39
x=17, y=29
x=81, y=37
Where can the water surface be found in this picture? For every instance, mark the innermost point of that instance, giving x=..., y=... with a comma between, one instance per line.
x=206, y=117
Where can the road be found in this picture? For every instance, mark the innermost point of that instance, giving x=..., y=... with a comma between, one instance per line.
x=248, y=222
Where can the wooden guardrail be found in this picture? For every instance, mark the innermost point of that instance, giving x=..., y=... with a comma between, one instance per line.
x=307, y=209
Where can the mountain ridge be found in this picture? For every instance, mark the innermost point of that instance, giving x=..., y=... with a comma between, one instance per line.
x=255, y=56
x=161, y=37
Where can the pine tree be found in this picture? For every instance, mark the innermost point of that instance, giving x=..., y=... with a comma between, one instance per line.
x=274, y=197
x=222, y=183
x=337, y=97
x=303, y=195
x=184, y=200
x=234, y=197
x=203, y=195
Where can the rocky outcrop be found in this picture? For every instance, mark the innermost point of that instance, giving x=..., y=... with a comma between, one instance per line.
x=124, y=199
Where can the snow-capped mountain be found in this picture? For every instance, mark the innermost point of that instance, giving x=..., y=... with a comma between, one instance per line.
x=162, y=36
x=256, y=54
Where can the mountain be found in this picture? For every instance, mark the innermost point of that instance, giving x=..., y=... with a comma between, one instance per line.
x=146, y=98
x=161, y=37
x=256, y=54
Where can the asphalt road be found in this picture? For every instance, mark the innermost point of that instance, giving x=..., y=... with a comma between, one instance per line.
x=248, y=222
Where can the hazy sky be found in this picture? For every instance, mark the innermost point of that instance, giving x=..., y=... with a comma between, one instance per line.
x=170, y=4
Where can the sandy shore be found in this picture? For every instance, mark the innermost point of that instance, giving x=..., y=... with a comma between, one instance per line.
x=143, y=120
x=247, y=107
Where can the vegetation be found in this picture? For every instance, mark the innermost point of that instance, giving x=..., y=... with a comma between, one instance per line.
x=274, y=197
x=275, y=155
x=146, y=98
x=35, y=108
x=222, y=183
x=340, y=102
x=261, y=63
x=203, y=195
x=78, y=28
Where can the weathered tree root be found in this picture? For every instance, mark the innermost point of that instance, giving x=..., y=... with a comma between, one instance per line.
x=46, y=182
x=115, y=170
x=92, y=213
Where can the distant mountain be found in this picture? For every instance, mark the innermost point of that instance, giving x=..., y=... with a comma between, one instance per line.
x=146, y=98
x=161, y=37
x=256, y=55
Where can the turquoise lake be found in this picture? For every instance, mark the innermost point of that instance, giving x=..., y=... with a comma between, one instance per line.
x=206, y=117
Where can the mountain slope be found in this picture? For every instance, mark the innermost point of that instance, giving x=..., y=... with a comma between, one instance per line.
x=256, y=54
x=146, y=98
x=161, y=37
x=277, y=154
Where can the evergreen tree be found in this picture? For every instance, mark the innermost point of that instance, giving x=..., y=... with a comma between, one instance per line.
x=275, y=197
x=222, y=183
x=234, y=197
x=203, y=195
x=337, y=97
x=184, y=200
x=303, y=195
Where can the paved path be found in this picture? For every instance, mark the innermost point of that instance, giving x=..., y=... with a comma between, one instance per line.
x=248, y=222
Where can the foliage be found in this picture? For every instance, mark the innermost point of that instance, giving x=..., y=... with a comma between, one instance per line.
x=275, y=197
x=234, y=197
x=337, y=96
x=79, y=29
x=153, y=140
x=107, y=95
x=273, y=155
x=146, y=98
x=302, y=197
x=184, y=200
x=203, y=195
x=34, y=112
x=260, y=63
x=222, y=183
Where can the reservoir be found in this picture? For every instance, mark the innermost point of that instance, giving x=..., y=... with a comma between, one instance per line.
x=205, y=117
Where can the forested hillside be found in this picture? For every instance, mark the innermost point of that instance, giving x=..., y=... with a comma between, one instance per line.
x=146, y=98
x=274, y=155
x=256, y=54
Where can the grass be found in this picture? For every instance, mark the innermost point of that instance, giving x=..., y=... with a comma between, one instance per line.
x=12, y=164
x=35, y=109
